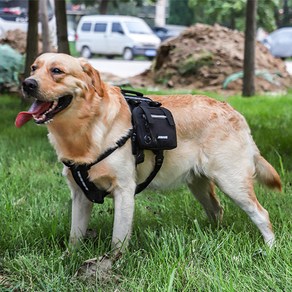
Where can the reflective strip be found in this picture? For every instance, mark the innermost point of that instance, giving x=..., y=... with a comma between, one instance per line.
x=82, y=181
x=158, y=117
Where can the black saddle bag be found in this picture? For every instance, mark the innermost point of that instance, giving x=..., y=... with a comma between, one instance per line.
x=153, y=127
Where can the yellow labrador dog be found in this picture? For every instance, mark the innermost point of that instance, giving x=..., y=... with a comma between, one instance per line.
x=85, y=117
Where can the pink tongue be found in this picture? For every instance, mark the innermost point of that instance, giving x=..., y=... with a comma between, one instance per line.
x=37, y=108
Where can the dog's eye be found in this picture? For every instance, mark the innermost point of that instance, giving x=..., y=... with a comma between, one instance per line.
x=33, y=68
x=56, y=71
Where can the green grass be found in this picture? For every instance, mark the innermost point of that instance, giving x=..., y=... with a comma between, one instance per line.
x=173, y=247
x=73, y=51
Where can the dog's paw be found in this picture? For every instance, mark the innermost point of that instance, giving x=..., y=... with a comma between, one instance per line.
x=100, y=268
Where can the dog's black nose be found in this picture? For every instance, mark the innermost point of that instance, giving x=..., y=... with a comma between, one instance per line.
x=29, y=85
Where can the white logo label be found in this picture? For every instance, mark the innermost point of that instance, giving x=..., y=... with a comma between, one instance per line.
x=162, y=137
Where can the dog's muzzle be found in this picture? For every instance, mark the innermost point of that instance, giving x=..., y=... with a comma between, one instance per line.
x=42, y=111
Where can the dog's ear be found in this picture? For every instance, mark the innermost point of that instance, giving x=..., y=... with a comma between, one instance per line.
x=93, y=74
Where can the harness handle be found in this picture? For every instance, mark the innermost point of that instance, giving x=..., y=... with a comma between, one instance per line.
x=131, y=92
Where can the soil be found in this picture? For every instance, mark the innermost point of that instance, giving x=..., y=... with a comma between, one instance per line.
x=203, y=56
x=17, y=40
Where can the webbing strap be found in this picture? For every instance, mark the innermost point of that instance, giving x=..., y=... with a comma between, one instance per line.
x=91, y=191
x=158, y=163
x=121, y=142
x=96, y=195
x=80, y=173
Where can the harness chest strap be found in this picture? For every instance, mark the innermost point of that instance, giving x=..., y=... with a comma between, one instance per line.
x=80, y=173
x=91, y=191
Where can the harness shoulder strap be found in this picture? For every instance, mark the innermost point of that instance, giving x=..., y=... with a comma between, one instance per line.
x=121, y=142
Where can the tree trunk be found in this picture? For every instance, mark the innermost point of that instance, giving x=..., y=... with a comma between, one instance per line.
x=232, y=19
x=249, y=49
x=286, y=15
x=103, y=6
x=160, y=13
x=45, y=26
x=61, y=19
x=32, y=36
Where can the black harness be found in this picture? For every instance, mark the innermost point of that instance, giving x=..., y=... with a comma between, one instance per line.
x=142, y=138
x=80, y=173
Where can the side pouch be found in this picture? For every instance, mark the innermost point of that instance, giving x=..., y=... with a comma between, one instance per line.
x=154, y=128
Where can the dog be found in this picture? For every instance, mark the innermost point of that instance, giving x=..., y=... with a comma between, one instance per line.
x=86, y=116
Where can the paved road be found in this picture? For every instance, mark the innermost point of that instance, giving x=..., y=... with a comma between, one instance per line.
x=120, y=68
x=126, y=69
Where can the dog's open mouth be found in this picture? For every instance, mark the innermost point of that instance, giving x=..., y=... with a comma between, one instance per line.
x=43, y=111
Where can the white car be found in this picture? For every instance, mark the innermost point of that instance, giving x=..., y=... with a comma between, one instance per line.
x=113, y=35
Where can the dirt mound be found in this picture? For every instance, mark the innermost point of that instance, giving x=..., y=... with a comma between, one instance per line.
x=16, y=39
x=206, y=57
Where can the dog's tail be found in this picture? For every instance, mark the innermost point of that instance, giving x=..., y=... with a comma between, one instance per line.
x=266, y=174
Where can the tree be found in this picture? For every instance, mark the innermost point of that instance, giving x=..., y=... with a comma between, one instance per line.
x=180, y=13
x=103, y=5
x=225, y=12
x=230, y=13
x=249, y=49
x=266, y=17
x=45, y=25
x=32, y=36
x=283, y=13
x=61, y=19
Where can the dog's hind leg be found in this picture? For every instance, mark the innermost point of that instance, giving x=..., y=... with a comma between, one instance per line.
x=239, y=188
x=204, y=191
x=81, y=210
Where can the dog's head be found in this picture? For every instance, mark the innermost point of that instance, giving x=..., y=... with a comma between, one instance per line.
x=58, y=83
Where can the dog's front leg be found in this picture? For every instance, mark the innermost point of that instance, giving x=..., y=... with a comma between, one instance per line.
x=81, y=210
x=123, y=218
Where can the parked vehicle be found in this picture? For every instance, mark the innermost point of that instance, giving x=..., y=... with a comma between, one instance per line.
x=279, y=42
x=14, y=15
x=114, y=35
x=168, y=31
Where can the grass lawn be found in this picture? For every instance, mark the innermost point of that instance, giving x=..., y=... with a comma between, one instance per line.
x=173, y=247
